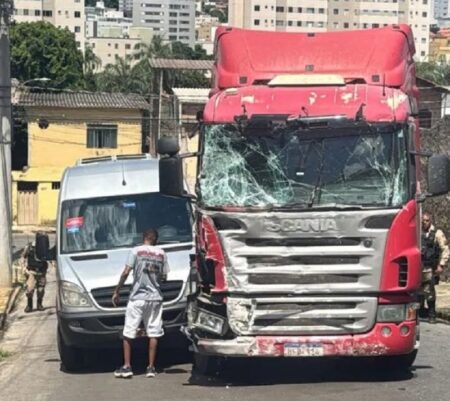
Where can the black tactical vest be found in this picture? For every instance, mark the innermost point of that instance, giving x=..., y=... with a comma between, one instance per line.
x=39, y=266
x=430, y=250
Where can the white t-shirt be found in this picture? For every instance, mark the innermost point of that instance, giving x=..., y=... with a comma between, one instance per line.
x=149, y=263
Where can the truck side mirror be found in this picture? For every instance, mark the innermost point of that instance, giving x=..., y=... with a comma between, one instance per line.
x=438, y=175
x=170, y=167
x=168, y=145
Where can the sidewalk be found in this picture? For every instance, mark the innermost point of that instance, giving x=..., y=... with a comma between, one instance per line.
x=443, y=301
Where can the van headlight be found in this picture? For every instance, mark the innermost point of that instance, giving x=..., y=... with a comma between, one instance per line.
x=397, y=313
x=73, y=295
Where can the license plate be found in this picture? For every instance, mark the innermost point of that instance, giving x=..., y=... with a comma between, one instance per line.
x=303, y=350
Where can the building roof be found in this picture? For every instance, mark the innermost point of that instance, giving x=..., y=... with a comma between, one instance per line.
x=82, y=100
x=180, y=64
x=191, y=95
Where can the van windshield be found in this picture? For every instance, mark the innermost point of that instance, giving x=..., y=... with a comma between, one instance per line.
x=114, y=222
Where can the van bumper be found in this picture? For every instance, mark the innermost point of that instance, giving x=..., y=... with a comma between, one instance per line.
x=104, y=330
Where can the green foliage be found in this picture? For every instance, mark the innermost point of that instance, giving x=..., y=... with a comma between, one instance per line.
x=4, y=355
x=128, y=77
x=223, y=17
x=41, y=50
x=435, y=72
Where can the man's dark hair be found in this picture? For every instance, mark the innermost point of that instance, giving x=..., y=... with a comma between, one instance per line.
x=151, y=235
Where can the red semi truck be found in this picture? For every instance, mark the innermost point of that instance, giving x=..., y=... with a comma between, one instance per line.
x=308, y=201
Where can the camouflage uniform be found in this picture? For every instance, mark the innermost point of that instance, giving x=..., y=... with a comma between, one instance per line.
x=435, y=252
x=35, y=274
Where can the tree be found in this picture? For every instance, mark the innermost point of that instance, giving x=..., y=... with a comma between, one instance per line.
x=122, y=76
x=435, y=72
x=41, y=50
x=90, y=64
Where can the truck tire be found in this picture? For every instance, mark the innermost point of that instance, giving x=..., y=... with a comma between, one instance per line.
x=206, y=365
x=72, y=359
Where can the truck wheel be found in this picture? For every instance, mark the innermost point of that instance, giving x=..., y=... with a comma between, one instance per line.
x=72, y=359
x=206, y=365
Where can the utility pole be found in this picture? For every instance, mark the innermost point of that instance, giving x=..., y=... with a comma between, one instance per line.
x=5, y=147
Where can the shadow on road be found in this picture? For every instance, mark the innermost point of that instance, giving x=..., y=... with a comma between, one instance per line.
x=237, y=372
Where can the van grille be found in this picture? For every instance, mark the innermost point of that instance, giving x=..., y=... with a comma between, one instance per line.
x=170, y=291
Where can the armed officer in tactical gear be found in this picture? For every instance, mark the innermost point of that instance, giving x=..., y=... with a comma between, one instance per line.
x=35, y=255
x=435, y=255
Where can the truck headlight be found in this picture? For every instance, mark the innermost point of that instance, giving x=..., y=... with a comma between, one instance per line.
x=210, y=322
x=73, y=295
x=397, y=313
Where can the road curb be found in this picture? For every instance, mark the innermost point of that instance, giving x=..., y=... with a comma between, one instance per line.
x=443, y=314
x=13, y=296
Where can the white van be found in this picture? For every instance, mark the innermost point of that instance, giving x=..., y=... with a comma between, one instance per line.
x=105, y=204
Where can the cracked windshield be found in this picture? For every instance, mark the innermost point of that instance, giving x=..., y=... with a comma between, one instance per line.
x=114, y=222
x=283, y=167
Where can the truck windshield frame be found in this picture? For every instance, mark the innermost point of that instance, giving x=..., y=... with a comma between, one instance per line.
x=100, y=224
x=289, y=166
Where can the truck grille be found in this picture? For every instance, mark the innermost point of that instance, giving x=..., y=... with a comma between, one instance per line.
x=170, y=291
x=312, y=315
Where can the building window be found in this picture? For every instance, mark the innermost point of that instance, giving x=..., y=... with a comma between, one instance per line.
x=37, y=13
x=345, y=25
x=425, y=117
x=102, y=136
x=116, y=45
x=56, y=185
x=256, y=22
x=77, y=14
x=47, y=13
x=27, y=185
x=77, y=29
x=127, y=46
x=279, y=9
x=25, y=11
x=257, y=8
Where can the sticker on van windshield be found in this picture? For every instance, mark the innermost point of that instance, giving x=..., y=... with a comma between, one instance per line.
x=129, y=205
x=73, y=230
x=74, y=223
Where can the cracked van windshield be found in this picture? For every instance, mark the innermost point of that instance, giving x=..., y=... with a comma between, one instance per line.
x=105, y=223
x=282, y=167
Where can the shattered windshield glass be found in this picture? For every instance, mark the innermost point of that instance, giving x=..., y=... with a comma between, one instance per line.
x=286, y=167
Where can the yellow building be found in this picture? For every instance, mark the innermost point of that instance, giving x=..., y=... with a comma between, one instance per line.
x=54, y=130
x=440, y=46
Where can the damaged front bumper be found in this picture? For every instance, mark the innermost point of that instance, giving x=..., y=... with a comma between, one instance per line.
x=384, y=339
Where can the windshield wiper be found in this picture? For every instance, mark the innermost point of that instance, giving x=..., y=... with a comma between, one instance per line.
x=338, y=206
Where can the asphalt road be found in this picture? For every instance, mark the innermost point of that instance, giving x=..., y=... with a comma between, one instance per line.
x=33, y=372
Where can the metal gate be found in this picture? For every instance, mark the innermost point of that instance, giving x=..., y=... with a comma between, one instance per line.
x=27, y=208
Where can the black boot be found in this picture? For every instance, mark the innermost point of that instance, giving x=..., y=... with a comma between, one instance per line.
x=432, y=312
x=39, y=304
x=29, y=306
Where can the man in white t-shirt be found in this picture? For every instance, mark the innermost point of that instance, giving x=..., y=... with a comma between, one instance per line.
x=149, y=266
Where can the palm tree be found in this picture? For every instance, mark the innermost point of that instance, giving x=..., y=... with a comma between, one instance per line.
x=122, y=76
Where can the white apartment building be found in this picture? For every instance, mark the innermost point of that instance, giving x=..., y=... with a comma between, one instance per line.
x=174, y=20
x=106, y=22
x=126, y=6
x=326, y=15
x=67, y=14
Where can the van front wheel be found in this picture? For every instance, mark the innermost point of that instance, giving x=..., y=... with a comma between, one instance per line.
x=72, y=359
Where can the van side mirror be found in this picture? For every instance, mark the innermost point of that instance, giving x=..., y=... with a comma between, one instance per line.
x=438, y=175
x=170, y=167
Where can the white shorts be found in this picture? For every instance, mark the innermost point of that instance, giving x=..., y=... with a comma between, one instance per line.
x=148, y=311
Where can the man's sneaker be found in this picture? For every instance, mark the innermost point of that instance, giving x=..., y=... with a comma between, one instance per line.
x=123, y=372
x=150, y=372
